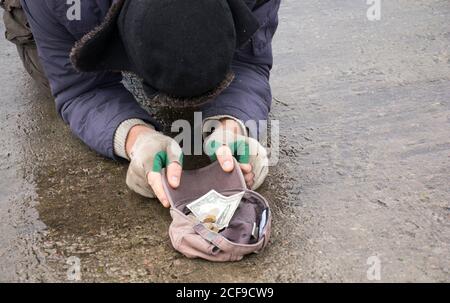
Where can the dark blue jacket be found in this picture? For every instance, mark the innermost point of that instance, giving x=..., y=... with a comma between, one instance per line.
x=94, y=104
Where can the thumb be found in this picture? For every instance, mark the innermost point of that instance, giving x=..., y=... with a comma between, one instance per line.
x=225, y=158
x=175, y=163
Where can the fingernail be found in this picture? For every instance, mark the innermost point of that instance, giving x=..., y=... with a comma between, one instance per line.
x=174, y=178
x=228, y=164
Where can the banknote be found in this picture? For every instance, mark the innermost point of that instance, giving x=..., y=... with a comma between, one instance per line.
x=215, y=209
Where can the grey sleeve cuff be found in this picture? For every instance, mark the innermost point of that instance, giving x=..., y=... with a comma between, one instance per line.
x=121, y=135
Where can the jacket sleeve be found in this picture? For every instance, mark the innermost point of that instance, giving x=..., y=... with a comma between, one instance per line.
x=93, y=104
x=249, y=96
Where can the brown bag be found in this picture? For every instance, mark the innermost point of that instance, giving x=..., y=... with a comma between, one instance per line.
x=194, y=240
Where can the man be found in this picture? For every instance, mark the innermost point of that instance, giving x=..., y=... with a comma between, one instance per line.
x=213, y=54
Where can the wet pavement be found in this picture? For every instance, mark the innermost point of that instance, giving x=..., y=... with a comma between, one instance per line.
x=364, y=110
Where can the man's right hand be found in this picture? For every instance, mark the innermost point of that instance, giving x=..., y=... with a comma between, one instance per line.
x=150, y=152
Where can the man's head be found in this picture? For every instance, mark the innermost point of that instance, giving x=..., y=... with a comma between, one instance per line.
x=181, y=48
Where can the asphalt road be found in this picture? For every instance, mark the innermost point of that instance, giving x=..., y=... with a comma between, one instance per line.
x=364, y=173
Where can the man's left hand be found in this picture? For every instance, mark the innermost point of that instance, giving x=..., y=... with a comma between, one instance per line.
x=227, y=142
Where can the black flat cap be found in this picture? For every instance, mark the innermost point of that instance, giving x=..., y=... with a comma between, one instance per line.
x=181, y=48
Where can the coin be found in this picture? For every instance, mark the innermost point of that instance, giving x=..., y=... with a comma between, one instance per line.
x=210, y=219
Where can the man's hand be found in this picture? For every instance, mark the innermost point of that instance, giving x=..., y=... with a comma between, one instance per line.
x=150, y=152
x=227, y=142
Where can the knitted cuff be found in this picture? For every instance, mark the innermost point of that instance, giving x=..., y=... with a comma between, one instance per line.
x=121, y=135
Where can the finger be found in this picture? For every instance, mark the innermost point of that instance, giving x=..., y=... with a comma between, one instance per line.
x=155, y=181
x=250, y=184
x=174, y=171
x=138, y=183
x=249, y=180
x=249, y=177
x=246, y=168
x=260, y=167
x=225, y=158
x=174, y=153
